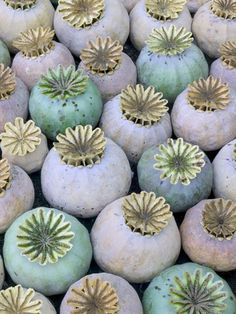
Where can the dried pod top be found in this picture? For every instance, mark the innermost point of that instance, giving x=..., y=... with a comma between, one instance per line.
x=142, y=106
x=20, y=4
x=7, y=82
x=164, y=9
x=179, y=161
x=81, y=147
x=102, y=56
x=169, y=41
x=197, y=293
x=96, y=296
x=45, y=237
x=81, y=13
x=145, y=213
x=20, y=138
x=208, y=94
x=219, y=219
x=63, y=83
x=35, y=42
x=224, y=8
x=228, y=54
x=5, y=176
x=18, y=300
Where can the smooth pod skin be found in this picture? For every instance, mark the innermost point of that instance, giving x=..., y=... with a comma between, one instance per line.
x=111, y=84
x=141, y=23
x=129, y=254
x=29, y=70
x=52, y=278
x=179, y=196
x=31, y=162
x=171, y=74
x=53, y=116
x=224, y=169
x=193, y=125
x=157, y=297
x=114, y=23
x=211, y=31
x=218, y=69
x=18, y=199
x=2, y=273
x=15, y=106
x=133, y=138
x=13, y=22
x=84, y=192
x=203, y=249
x=194, y=5
x=129, y=4
x=129, y=301
x=5, y=57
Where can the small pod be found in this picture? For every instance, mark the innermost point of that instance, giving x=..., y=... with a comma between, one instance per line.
x=189, y=288
x=19, y=16
x=225, y=66
x=150, y=14
x=101, y=293
x=20, y=300
x=136, y=120
x=84, y=172
x=38, y=53
x=170, y=61
x=24, y=145
x=143, y=237
x=14, y=97
x=77, y=22
x=64, y=98
x=224, y=169
x=178, y=171
x=16, y=193
x=63, y=256
x=107, y=66
x=204, y=114
x=208, y=234
x=213, y=24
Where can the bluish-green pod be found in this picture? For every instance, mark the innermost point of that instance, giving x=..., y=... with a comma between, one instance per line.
x=171, y=74
x=5, y=57
x=53, y=269
x=55, y=104
x=188, y=288
x=180, y=196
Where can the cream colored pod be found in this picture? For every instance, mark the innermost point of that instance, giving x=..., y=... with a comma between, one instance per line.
x=107, y=66
x=101, y=293
x=16, y=193
x=24, y=145
x=38, y=53
x=150, y=14
x=213, y=24
x=84, y=172
x=77, y=22
x=143, y=237
x=129, y=4
x=14, y=97
x=224, y=170
x=19, y=16
x=2, y=272
x=225, y=66
x=204, y=114
x=136, y=120
x=20, y=300
x=208, y=234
